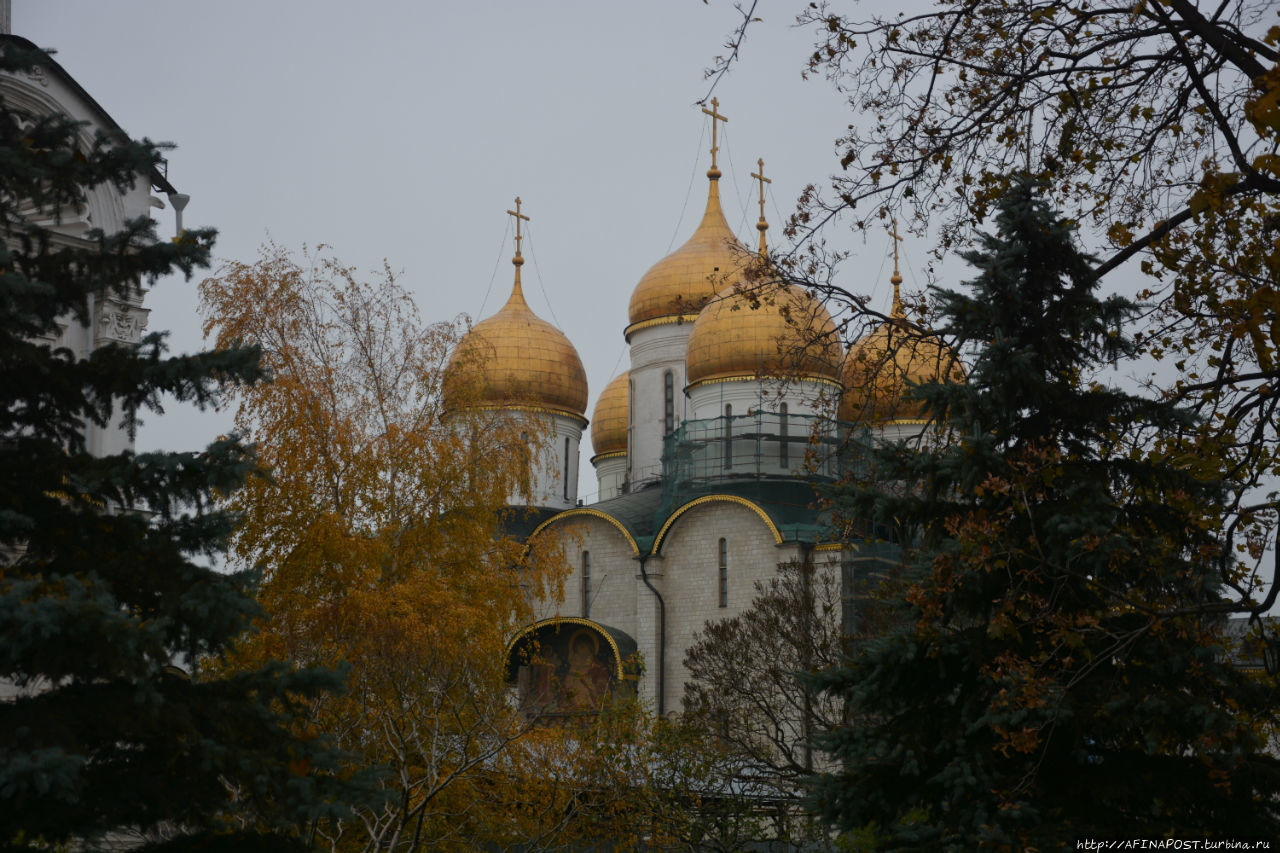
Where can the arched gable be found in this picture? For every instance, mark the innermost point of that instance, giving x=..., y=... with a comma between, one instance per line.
x=620, y=644
x=566, y=667
x=706, y=499
x=102, y=206
x=579, y=512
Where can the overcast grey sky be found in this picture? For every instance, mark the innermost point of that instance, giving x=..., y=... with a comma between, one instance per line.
x=404, y=130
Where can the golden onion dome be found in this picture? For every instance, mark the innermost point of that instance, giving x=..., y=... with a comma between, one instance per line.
x=677, y=287
x=609, y=420
x=516, y=360
x=770, y=330
x=883, y=364
x=762, y=327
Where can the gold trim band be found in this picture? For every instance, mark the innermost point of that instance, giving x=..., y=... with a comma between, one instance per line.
x=755, y=377
x=569, y=620
x=665, y=320
x=594, y=513
x=751, y=505
x=524, y=407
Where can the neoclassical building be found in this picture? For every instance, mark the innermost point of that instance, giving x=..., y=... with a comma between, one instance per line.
x=739, y=396
x=110, y=318
x=116, y=318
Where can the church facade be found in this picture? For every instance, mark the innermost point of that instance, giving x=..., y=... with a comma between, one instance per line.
x=740, y=395
x=115, y=318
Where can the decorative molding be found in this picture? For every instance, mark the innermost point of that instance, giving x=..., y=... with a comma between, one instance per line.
x=668, y=320
x=118, y=322
x=762, y=377
x=37, y=74
x=523, y=407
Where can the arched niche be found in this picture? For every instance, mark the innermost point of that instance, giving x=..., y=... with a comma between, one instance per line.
x=565, y=667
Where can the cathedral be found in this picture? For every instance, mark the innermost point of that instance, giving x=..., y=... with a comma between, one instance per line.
x=740, y=395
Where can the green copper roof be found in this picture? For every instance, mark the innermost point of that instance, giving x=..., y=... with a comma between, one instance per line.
x=789, y=505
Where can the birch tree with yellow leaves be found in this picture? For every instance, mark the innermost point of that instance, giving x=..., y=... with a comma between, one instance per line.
x=379, y=536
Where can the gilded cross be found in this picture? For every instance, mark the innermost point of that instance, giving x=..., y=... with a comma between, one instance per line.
x=896, y=240
x=714, y=112
x=763, y=225
x=518, y=215
x=759, y=176
x=896, y=310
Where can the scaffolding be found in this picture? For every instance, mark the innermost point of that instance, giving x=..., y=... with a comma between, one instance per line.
x=767, y=456
x=760, y=445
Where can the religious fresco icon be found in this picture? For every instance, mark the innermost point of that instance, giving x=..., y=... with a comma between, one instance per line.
x=569, y=667
x=587, y=679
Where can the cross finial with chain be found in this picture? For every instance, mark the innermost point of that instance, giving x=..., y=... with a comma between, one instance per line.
x=714, y=112
x=897, y=276
x=763, y=225
x=518, y=259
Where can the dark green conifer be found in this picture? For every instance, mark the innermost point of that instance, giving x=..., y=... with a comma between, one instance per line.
x=105, y=582
x=1058, y=669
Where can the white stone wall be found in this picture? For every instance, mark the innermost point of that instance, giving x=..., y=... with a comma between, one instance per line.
x=894, y=431
x=113, y=318
x=689, y=579
x=685, y=573
x=649, y=619
x=549, y=474
x=613, y=573
x=611, y=473
x=654, y=351
x=802, y=396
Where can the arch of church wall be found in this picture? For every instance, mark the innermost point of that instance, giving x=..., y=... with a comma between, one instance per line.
x=613, y=571
x=691, y=576
x=42, y=93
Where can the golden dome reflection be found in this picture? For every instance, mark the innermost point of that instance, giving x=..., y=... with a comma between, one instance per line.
x=609, y=420
x=522, y=361
x=677, y=286
x=516, y=360
x=778, y=330
x=895, y=355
